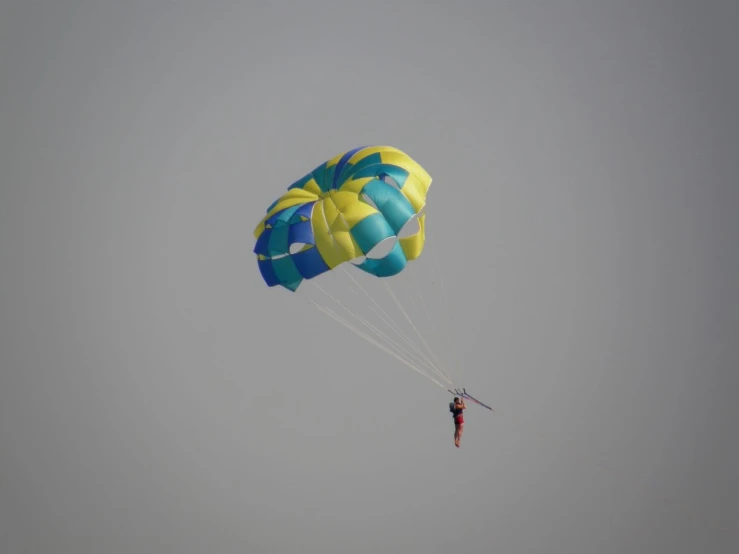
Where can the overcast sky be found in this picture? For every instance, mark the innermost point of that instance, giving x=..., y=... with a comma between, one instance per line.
x=580, y=276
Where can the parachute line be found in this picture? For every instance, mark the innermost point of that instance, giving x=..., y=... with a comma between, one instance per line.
x=387, y=319
x=400, y=306
x=448, y=319
x=369, y=339
x=372, y=327
x=426, y=311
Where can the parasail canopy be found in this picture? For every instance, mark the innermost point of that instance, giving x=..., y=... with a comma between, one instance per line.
x=364, y=206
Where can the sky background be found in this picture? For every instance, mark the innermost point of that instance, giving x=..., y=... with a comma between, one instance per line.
x=157, y=397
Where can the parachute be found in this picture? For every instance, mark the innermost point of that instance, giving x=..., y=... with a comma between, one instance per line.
x=363, y=208
x=366, y=201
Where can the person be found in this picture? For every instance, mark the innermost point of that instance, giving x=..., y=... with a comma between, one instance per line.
x=457, y=408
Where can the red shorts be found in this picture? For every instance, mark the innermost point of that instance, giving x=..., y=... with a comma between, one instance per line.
x=459, y=420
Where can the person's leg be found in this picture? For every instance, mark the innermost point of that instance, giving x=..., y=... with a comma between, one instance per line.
x=457, y=435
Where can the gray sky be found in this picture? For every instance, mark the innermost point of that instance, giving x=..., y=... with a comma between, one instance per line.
x=156, y=396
